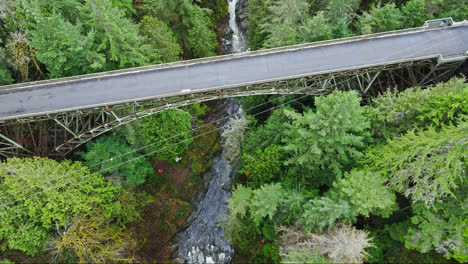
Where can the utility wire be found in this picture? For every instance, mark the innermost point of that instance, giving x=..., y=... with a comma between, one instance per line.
x=194, y=129
x=144, y=155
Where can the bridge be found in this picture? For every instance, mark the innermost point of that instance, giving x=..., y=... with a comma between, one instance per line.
x=63, y=114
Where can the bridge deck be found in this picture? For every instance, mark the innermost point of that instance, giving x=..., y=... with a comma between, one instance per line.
x=144, y=83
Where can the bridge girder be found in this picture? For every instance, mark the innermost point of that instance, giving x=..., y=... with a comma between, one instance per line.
x=67, y=131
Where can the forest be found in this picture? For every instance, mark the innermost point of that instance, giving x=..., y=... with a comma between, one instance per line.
x=320, y=179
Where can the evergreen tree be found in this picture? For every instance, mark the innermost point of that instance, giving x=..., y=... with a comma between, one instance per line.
x=233, y=137
x=108, y=147
x=316, y=28
x=366, y=193
x=265, y=202
x=284, y=21
x=62, y=47
x=380, y=19
x=323, y=212
x=161, y=39
x=189, y=22
x=240, y=200
x=328, y=140
x=441, y=228
x=201, y=39
x=425, y=166
x=415, y=13
x=116, y=35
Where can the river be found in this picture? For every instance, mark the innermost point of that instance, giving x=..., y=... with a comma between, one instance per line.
x=203, y=241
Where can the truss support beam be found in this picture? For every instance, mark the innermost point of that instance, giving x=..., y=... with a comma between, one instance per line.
x=9, y=147
x=65, y=127
x=77, y=127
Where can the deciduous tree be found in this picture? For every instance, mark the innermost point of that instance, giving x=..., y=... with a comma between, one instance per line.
x=157, y=133
x=69, y=189
x=262, y=166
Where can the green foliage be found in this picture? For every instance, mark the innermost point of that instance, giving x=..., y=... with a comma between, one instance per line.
x=263, y=167
x=292, y=207
x=366, y=193
x=25, y=225
x=415, y=13
x=98, y=153
x=425, y=166
x=133, y=204
x=327, y=140
x=316, y=29
x=457, y=9
x=5, y=75
x=340, y=14
x=219, y=14
x=462, y=255
x=394, y=114
x=283, y=23
x=271, y=253
x=125, y=5
x=323, y=212
x=188, y=21
x=380, y=19
x=62, y=47
x=268, y=134
x=203, y=148
x=265, y=201
x=239, y=202
x=258, y=13
x=445, y=108
x=116, y=35
x=303, y=255
x=93, y=240
x=201, y=39
x=245, y=236
x=161, y=39
x=156, y=129
x=440, y=228
x=233, y=137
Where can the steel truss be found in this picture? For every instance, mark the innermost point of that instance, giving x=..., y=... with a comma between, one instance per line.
x=59, y=134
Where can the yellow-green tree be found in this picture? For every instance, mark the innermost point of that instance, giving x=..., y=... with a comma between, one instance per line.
x=31, y=210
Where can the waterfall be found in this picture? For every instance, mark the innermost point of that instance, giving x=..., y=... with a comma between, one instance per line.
x=239, y=40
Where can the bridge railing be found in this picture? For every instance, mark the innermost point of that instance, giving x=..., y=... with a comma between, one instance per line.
x=435, y=23
x=136, y=70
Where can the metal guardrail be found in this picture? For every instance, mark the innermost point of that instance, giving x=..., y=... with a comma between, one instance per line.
x=434, y=23
x=99, y=75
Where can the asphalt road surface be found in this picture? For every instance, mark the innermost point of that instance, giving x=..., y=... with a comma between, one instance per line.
x=111, y=88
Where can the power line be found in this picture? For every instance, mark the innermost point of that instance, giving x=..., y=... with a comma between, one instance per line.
x=142, y=156
x=133, y=151
x=166, y=139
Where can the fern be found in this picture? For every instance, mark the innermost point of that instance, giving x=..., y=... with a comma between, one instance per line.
x=239, y=202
